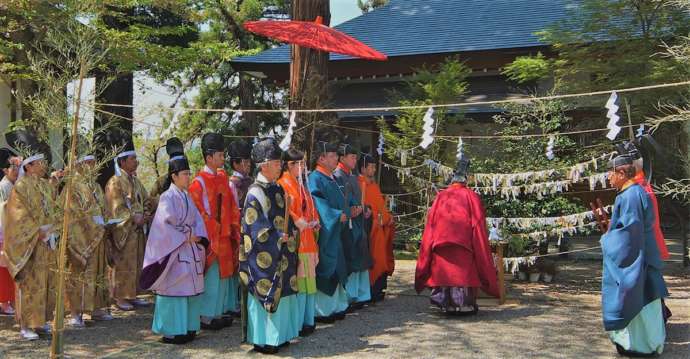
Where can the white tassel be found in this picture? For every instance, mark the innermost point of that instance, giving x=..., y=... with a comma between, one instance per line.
x=428, y=135
x=285, y=143
x=460, y=148
x=549, y=148
x=613, y=117
x=379, y=149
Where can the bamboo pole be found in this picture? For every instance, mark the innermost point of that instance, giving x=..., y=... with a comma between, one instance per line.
x=57, y=344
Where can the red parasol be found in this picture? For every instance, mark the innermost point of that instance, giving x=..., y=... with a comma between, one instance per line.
x=314, y=35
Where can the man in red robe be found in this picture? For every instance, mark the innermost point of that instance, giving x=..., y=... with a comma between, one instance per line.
x=455, y=258
x=211, y=193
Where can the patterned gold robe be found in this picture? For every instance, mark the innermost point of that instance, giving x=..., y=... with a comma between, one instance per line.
x=87, y=285
x=126, y=196
x=30, y=261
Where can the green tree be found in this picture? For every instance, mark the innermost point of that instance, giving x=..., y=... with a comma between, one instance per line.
x=437, y=85
x=152, y=37
x=521, y=154
x=369, y=5
x=677, y=186
x=610, y=44
x=444, y=83
x=605, y=44
x=23, y=24
x=219, y=84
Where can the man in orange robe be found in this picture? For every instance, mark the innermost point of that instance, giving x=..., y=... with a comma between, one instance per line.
x=382, y=229
x=212, y=195
x=306, y=218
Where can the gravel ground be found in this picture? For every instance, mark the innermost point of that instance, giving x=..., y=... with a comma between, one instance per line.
x=558, y=320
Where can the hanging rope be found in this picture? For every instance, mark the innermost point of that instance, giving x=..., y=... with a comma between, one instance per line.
x=395, y=108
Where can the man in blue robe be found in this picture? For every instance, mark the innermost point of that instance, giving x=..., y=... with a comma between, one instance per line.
x=268, y=256
x=354, y=238
x=331, y=272
x=632, y=285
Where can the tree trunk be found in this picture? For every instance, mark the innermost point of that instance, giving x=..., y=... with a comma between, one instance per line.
x=246, y=92
x=686, y=232
x=245, y=87
x=120, y=92
x=309, y=73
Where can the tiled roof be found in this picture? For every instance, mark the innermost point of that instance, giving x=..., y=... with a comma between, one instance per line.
x=414, y=27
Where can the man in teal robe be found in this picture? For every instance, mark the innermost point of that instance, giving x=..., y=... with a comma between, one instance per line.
x=632, y=286
x=331, y=272
x=354, y=238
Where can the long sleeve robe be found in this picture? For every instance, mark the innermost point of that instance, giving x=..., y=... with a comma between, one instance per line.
x=125, y=197
x=268, y=267
x=86, y=234
x=302, y=209
x=87, y=287
x=30, y=261
x=330, y=204
x=455, y=250
x=632, y=264
x=355, y=240
x=382, y=230
x=224, y=235
x=172, y=265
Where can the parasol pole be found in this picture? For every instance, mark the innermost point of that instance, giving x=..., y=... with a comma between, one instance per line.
x=57, y=344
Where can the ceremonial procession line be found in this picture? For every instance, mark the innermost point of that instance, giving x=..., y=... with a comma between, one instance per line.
x=289, y=247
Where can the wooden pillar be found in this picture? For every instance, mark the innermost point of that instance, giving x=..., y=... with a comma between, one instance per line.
x=501, y=274
x=309, y=73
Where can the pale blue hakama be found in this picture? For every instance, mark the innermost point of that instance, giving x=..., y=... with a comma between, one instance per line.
x=176, y=315
x=307, y=309
x=232, y=299
x=327, y=305
x=264, y=328
x=644, y=334
x=358, y=287
x=215, y=293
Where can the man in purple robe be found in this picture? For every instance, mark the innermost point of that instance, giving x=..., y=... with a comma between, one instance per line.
x=174, y=258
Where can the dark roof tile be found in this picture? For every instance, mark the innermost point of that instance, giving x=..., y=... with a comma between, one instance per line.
x=414, y=27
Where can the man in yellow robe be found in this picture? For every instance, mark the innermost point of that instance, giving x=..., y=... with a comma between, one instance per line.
x=30, y=221
x=127, y=200
x=87, y=286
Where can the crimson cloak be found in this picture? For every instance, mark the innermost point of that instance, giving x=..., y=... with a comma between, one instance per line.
x=455, y=250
